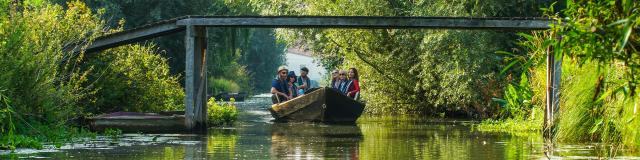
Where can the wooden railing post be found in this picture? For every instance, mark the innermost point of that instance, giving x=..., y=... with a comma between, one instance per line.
x=196, y=78
x=552, y=107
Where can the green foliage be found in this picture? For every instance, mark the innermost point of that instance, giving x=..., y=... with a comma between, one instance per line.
x=604, y=31
x=248, y=57
x=36, y=75
x=222, y=113
x=409, y=71
x=611, y=120
x=132, y=78
x=517, y=99
x=112, y=134
x=519, y=127
x=45, y=88
x=598, y=90
x=222, y=85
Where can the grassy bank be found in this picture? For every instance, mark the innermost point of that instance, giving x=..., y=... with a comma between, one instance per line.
x=599, y=88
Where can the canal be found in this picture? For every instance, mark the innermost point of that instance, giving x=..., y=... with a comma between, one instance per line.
x=255, y=136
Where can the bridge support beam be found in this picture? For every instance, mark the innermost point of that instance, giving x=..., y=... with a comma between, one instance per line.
x=196, y=78
x=552, y=107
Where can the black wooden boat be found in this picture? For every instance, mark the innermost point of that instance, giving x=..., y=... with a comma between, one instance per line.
x=133, y=122
x=320, y=105
x=239, y=97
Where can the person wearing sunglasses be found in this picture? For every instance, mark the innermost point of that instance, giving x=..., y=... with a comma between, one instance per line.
x=334, y=79
x=343, y=82
x=292, y=85
x=279, y=86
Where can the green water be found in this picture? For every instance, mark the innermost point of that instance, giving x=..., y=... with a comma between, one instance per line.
x=256, y=137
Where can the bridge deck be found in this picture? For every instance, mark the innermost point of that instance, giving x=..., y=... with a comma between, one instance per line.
x=171, y=26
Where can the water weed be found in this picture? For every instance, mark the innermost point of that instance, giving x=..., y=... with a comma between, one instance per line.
x=221, y=113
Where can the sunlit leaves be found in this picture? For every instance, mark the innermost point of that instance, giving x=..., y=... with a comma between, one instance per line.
x=411, y=70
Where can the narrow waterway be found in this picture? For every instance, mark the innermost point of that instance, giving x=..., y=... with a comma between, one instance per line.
x=255, y=136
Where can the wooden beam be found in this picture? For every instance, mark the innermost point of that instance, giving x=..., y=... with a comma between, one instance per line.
x=132, y=36
x=368, y=22
x=178, y=24
x=196, y=78
x=552, y=107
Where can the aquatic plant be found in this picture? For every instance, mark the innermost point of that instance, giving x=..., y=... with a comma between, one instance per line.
x=221, y=113
x=112, y=134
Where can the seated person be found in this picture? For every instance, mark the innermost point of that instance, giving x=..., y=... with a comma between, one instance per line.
x=291, y=83
x=303, y=81
x=335, y=83
x=343, y=82
x=354, y=86
x=279, y=87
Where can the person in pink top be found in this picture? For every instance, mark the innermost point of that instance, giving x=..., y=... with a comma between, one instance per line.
x=354, y=86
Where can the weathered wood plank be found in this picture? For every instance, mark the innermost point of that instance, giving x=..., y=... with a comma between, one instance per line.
x=178, y=24
x=189, y=84
x=369, y=22
x=132, y=36
x=195, y=77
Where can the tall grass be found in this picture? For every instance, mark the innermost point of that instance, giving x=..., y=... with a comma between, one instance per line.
x=592, y=111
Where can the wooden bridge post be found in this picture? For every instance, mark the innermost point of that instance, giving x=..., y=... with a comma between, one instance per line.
x=196, y=78
x=552, y=107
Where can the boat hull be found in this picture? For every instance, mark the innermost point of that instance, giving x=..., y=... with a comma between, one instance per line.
x=131, y=122
x=321, y=105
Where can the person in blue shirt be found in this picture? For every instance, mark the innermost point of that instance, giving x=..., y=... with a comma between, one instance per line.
x=279, y=86
x=344, y=82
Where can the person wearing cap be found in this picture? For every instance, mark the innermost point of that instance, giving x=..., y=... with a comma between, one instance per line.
x=304, y=82
x=279, y=86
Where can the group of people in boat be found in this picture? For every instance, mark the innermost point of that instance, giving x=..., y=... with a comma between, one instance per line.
x=287, y=85
x=346, y=82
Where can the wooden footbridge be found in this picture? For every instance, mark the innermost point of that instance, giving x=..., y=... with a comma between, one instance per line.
x=196, y=43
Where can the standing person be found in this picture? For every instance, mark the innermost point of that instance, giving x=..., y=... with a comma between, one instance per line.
x=279, y=87
x=344, y=82
x=354, y=85
x=304, y=83
x=291, y=83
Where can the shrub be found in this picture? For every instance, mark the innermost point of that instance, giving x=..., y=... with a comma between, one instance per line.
x=132, y=78
x=36, y=74
x=220, y=85
x=221, y=113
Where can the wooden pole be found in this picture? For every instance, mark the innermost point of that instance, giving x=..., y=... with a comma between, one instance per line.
x=552, y=107
x=549, y=91
x=196, y=78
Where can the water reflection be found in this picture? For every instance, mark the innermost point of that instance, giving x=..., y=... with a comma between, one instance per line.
x=257, y=137
x=315, y=141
